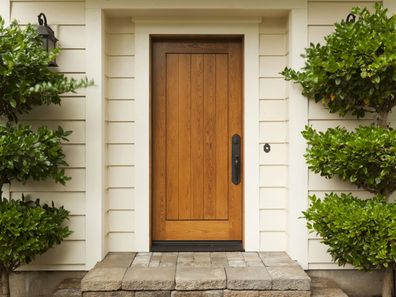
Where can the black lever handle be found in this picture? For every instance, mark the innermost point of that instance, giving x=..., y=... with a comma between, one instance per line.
x=236, y=159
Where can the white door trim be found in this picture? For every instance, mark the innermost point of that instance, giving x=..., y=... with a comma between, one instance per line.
x=250, y=31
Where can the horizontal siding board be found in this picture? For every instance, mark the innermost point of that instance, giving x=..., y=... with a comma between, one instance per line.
x=121, y=88
x=273, y=220
x=70, y=109
x=120, y=44
x=273, y=88
x=68, y=252
x=274, y=25
x=273, y=110
x=72, y=201
x=318, y=12
x=121, y=242
x=121, y=133
x=71, y=37
x=320, y=183
x=278, y=155
x=316, y=34
x=77, y=225
x=121, y=221
x=77, y=183
x=273, y=241
x=121, y=199
x=121, y=66
x=273, y=132
x=65, y=12
x=120, y=25
x=273, y=176
x=323, y=125
x=71, y=61
x=120, y=110
x=121, y=154
x=121, y=177
x=271, y=66
x=274, y=44
x=75, y=155
x=273, y=198
x=358, y=193
x=317, y=252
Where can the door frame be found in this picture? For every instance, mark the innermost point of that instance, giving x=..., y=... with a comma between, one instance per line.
x=248, y=28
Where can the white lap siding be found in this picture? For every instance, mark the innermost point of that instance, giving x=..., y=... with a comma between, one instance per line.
x=120, y=134
x=68, y=21
x=273, y=123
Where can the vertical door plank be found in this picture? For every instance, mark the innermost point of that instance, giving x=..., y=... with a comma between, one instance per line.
x=159, y=138
x=222, y=140
x=209, y=137
x=197, y=133
x=235, y=127
x=185, y=201
x=172, y=136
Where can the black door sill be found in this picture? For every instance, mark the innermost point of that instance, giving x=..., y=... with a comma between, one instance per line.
x=197, y=246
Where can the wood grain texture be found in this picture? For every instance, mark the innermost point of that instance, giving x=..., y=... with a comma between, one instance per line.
x=194, y=84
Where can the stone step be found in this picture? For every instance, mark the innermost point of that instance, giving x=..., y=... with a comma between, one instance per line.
x=323, y=287
x=69, y=288
x=233, y=274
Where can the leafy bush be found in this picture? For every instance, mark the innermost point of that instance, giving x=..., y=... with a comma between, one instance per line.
x=365, y=157
x=25, y=154
x=359, y=232
x=25, y=79
x=355, y=71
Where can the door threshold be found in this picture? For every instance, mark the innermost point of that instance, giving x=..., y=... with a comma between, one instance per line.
x=197, y=246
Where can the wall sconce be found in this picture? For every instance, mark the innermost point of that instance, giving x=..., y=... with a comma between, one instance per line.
x=47, y=36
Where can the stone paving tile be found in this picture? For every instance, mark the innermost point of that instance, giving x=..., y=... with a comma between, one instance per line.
x=103, y=279
x=231, y=293
x=276, y=259
x=236, y=263
x=152, y=294
x=117, y=260
x=109, y=294
x=147, y=278
x=285, y=294
x=248, y=278
x=211, y=293
x=168, y=260
x=289, y=278
x=200, y=278
x=142, y=260
x=234, y=256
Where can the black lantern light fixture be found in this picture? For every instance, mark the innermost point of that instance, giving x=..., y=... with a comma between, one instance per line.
x=351, y=18
x=47, y=35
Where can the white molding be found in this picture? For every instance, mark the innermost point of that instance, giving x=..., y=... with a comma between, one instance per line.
x=95, y=120
x=251, y=119
x=298, y=118
x=5, y=11
x=237, y=6
x=391, y=5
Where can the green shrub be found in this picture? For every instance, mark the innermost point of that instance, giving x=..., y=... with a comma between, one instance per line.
x=28, y=229
x=355, y=70
x=26, y=154
x=359, y=232
x=365, y=157
x=25, y=78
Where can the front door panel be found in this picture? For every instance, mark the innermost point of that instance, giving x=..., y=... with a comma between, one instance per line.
x=196, y=110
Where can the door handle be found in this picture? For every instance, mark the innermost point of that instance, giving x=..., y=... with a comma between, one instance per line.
x=236, y=159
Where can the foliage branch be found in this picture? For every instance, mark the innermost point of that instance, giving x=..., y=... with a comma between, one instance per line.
x=27, y=228
x=354, y=72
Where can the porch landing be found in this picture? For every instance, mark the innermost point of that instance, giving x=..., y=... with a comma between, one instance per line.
x=183, y=274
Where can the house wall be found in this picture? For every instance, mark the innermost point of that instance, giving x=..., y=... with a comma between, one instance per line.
x=68, y=20
x=120, y=128
x=273, y=122
x=69, y=25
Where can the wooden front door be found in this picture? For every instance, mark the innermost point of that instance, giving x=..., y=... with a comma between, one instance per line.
x=196, y=110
